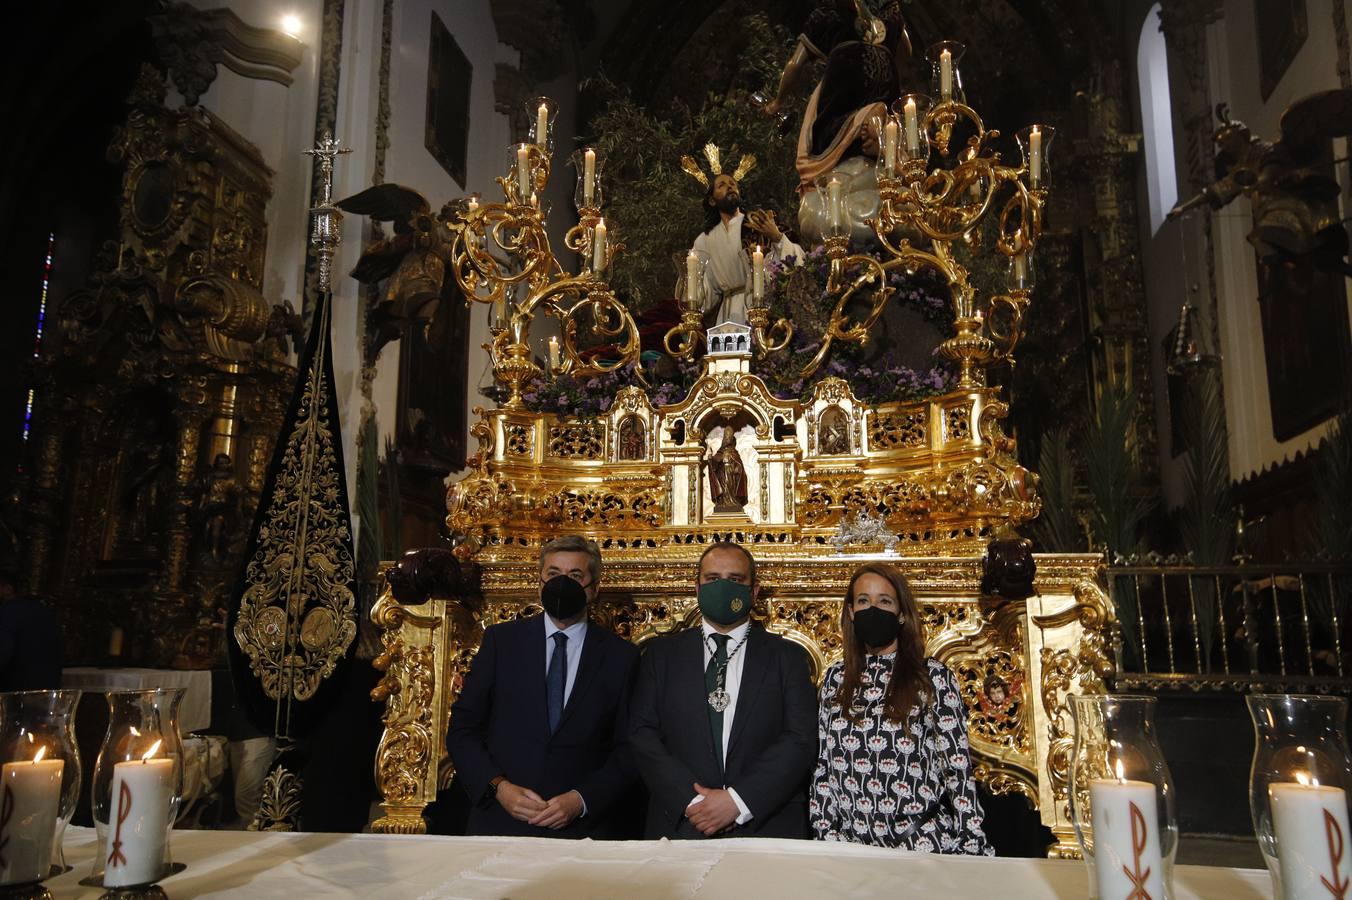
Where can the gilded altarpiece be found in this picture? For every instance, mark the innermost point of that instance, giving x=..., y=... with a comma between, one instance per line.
x=161, y=393
x=939, y=474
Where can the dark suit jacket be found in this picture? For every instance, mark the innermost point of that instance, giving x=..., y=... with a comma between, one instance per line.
x=770, y=753
x=500, y=726
x=30, y=646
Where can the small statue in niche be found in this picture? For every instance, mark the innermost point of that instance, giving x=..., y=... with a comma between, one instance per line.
x=217, y=508
x=727, y=475
x=835, y=432
x=141, y=496
x=631, y=439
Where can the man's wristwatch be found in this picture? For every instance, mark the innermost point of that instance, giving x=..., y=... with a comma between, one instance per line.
x=494, y=785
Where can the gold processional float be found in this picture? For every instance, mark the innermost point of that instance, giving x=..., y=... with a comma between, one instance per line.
x=829, y=482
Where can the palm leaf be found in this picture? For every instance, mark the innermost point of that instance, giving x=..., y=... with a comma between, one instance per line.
x=1206, y=520
x=1055, y=528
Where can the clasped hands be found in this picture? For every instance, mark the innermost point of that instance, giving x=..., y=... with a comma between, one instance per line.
x=527, y=806
x=712, y=811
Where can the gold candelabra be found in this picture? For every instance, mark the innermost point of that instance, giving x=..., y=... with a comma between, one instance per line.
x=501, y=256
x=924, y=211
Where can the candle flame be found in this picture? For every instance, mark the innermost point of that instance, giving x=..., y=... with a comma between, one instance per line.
x=1120, y=775
x=42, y=751
x=154, y=748
x=1303, y=778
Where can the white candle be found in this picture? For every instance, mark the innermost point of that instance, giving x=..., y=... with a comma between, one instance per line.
x=835, y=212
x=139, y=821
x=1314, y=846
x=500, y=311
x=758, y=272
x=588, y=177
x=30, y=799
x=523, y=171
x=890, y=145
x=599, y=246
x=1020, y=270
x=1035, y=157
x=472, y=202
x=553, y=353
x=946, y=75
x=1127, y=856
x=542, y=126
x=691, y=277
x=912, y=127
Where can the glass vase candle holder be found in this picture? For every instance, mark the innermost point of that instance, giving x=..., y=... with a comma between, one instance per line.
x=1299, y=786
x=522, y=162
x=945, y=79
x=138, y=783
x=1122, y=798
x=542, y=112
x=1021, y=275
x=891, y=146
x=1035, y=144
x=39, y=786
x=834, y=194
x=588, y=194
x=690, y=280
x=911, y=111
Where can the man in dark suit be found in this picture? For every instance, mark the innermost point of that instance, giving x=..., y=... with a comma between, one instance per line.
x=537, y=734
x=723, y=722
x=30, y=640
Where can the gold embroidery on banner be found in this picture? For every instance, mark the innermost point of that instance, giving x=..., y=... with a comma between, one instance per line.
x=297, y=615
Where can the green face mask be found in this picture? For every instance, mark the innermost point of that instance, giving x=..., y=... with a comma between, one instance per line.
x=724, y=602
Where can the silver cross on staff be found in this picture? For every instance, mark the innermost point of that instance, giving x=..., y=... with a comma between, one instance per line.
x=326, y=235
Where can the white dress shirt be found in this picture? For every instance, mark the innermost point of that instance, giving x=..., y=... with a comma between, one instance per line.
x=732, y=683
x=727, y=279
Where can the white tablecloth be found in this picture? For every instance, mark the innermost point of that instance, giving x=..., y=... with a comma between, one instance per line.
x=294, y=866
x=194, y=713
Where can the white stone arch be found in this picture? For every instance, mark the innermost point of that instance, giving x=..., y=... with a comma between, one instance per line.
x=1157, y=119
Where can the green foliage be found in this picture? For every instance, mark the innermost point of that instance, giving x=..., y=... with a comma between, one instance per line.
x=1055, y=529
x=655, y=208
x=1207, y=518
x=1114, y=472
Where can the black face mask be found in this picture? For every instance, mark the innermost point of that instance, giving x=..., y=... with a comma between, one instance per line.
x=876, y=627
x=562, y=597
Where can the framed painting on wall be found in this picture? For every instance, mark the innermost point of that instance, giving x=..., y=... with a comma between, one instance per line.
x=1282, y=27
x=447, y=121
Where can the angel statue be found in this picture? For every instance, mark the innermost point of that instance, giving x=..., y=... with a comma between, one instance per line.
x=414, y=260
x=1290, y=183
x=865, y=46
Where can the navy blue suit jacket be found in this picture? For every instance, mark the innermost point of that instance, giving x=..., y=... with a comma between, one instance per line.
x=500, y=726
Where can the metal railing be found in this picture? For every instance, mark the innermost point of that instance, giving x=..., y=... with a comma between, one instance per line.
x=1238, y=627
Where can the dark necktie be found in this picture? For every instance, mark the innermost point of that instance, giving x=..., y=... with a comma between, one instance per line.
x=718, y=662
x=556, y=679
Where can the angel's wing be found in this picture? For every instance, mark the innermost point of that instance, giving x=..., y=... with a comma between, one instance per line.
x=387, y=203
x=1311, y=122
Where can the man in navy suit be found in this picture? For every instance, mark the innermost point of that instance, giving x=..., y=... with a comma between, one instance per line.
x=723, y=723
x=537, y=734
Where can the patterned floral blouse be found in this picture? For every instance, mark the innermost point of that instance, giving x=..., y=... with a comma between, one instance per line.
x=891, y=784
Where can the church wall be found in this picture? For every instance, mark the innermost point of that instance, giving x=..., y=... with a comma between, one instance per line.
x=1233, y=47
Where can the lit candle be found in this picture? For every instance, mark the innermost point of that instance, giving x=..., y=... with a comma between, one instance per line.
x=553, y=353
x=523, y=171
x=588, y=177
x=500, y=311
x=912, y=126
x=1310, y=822
x=835, y=212
x=890, y=145
x=691, y=277
x=1020, y=270
x=30, y=799
x=542, y=126
x=472, y=202
x=599, y=246
x=1127, y=856
x=758, y=272
x=946, y=75
x=1035, y=157
x=142, y=794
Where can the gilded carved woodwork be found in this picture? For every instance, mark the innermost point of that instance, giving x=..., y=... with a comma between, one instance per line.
x=1041, y=650
x=168, y=359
